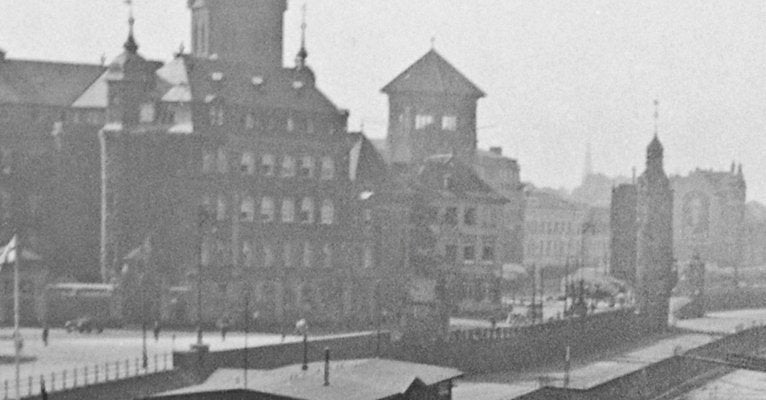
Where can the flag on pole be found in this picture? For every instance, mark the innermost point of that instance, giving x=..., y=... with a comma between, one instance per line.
x=8, y=252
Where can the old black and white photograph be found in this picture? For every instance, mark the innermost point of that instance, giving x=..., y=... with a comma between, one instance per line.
x=382, y=200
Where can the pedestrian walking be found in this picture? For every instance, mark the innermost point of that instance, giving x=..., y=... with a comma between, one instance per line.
x=224, y=329
x=156, y=331
x=45, y=335
x=493, y=322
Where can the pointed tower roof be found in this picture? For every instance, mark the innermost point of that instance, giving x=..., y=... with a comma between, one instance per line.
x=433, y=74
x=654, y=150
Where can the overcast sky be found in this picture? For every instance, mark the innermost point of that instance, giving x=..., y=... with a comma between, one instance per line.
x=557, y=73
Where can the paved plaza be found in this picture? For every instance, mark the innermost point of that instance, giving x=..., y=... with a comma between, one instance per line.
x=69, y=351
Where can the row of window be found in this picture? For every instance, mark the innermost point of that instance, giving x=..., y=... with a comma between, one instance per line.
x=425, y=121
x=471, y=216
x=469, y=253
x=304, y=254
x=268, y=210
x=550, y=248
x=289, y=166
x=252, y=122
x=550, y=227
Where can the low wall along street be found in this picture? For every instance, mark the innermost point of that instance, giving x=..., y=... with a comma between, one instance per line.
x=513, y=349
x=476, y=351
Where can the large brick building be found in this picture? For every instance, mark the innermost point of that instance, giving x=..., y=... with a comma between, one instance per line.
x=432, y=117
x=228, y=163
x=709, y=216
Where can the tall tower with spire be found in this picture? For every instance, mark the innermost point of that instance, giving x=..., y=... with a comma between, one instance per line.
x=655, y=274
x=130, y=80
x=246, y=31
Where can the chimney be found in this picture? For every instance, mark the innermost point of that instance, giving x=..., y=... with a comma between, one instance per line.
x=327, y=366
x=496, y=150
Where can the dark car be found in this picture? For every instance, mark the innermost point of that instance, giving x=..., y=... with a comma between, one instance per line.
x=83, y=325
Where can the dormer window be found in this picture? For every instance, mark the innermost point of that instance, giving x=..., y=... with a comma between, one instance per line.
x=147, y=113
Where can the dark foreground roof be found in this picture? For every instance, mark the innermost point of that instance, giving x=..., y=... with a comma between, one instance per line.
x=349, y=379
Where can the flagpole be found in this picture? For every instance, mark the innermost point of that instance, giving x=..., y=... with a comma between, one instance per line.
x=16, y=334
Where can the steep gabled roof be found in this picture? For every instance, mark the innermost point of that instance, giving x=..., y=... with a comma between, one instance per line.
x=433, y=74
x=281, y=89
x=447, y=175
x=193, y=79
x=44, y=83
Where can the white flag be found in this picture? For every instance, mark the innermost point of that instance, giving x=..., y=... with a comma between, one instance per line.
x=8, y=252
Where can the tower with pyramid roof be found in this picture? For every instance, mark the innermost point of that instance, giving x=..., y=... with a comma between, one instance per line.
x=432, y=110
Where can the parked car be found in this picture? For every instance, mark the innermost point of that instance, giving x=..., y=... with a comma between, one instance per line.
x=83, y=325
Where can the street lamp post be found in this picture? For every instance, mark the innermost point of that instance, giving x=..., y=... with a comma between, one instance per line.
x=202, y=216
x=303, y=327
x=144, y=356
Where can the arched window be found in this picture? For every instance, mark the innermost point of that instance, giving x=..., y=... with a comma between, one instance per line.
x=307, y=210
x=307, y=167
x=267, y=209
x=327, y=213
x=247, y=210
x=247, y=166
x=248, y=257
x=288, y=167
x=208, y=161
x=288, y=210
x=328, y=169
x=221, y=208
x=222, y=162
x=308, y=254
x=268, y=162
x=268, y=255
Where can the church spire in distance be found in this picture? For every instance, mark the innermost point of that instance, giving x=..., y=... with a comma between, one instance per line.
x=300, y=59
x=130, y=45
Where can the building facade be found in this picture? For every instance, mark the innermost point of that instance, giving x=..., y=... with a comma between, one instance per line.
x=709, y=216
x=554, y=227
x=623, y=224
x=242, y=174
x=467, y=230
x=503, y=175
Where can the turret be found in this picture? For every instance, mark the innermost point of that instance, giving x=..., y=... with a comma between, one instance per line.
x=130, y=78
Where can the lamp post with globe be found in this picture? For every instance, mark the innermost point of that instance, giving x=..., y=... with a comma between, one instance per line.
x=303, y=328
